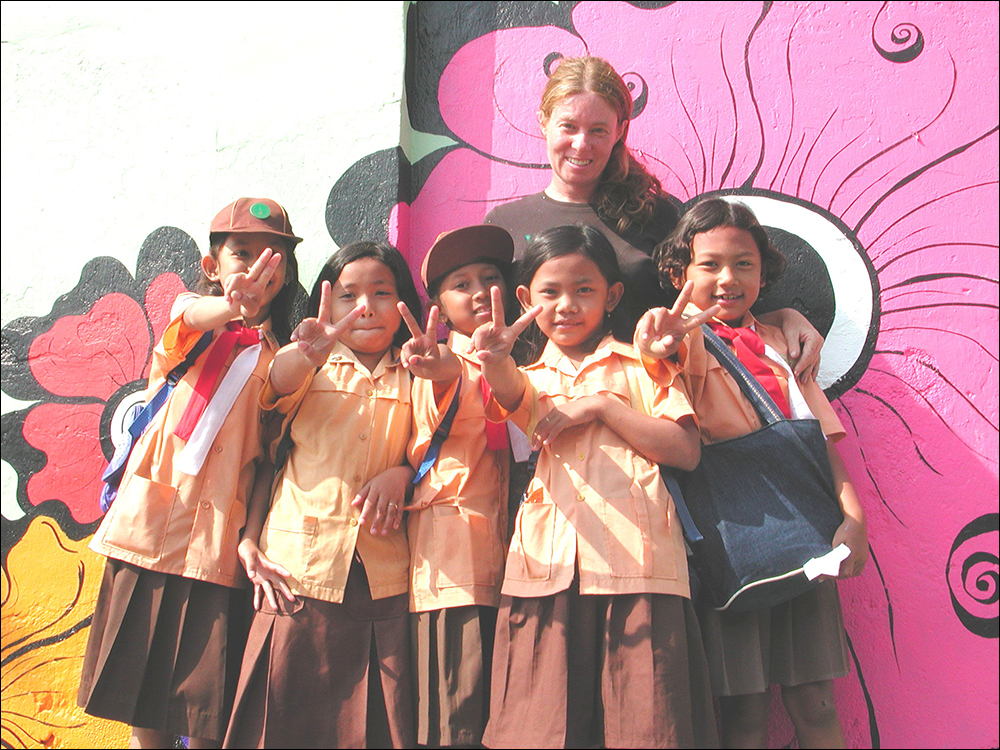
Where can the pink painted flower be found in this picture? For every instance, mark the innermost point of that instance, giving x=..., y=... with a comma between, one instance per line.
x=79, y=364
x=866, y=136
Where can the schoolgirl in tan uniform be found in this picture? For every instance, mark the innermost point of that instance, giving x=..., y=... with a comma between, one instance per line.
x=597, y=642
x=328, y=659
x=167, y=634
x=457, y=520
x=721, y=258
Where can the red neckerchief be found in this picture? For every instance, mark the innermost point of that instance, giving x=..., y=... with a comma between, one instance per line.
x=237, y=333
x=496, y=432
x=749, y=350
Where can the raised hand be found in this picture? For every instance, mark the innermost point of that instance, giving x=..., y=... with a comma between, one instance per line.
x=422, y=354
x=493, y=341
x=249, y=291
x=660, y=331
x=315, y=337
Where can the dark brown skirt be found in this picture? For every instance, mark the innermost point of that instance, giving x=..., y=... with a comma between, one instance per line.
x=307, y=680
x=452, y=651
x=793, y=643
x=164, y=652
x=600, y=671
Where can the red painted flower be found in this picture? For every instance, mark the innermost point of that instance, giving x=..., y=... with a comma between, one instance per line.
x=79, y=364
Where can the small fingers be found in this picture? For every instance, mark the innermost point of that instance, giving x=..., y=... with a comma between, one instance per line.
x=325, y=312
x=433, y=317
x=345, y=322
x=521, y=323
x=496, y=303
x=410, y=321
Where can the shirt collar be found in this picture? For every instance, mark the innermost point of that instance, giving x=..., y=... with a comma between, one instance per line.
x=554, y=359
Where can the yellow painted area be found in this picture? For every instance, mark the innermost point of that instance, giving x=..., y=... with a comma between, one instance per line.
x=50, y=587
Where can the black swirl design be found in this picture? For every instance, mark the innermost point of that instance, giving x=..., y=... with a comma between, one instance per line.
x=907, y=39
x=548, y=65
x=639, y=90
x=973, y=576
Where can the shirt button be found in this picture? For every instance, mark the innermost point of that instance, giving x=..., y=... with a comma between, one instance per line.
x=357, y=477
x=218, y=449
x=205, y=504
x=369, y=391
x=363, y=436
x=354, y=522
x=580, y=498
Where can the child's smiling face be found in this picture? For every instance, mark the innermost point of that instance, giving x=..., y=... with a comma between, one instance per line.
x=575, y=298
x=464, y=296
x=726, y=270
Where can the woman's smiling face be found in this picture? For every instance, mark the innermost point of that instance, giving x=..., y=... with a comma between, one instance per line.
x=579, y=136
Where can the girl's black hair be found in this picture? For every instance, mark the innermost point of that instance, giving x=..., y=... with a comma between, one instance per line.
x=282, y=311
x=556, y=242
x=388, y=256
x=673, y=255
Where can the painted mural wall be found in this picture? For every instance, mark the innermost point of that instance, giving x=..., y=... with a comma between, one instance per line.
x=865, y=136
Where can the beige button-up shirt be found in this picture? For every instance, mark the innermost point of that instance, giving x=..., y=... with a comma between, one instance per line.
x=594, y=504
x=168, y=521
x=349, y=426
x=458, y=518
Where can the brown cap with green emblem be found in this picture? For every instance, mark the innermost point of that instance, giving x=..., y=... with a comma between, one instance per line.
x=253, y=215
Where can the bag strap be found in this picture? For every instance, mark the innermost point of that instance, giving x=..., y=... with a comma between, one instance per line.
x=666, y=473
x=767, y=410
x=144, y=417
x=440, y=435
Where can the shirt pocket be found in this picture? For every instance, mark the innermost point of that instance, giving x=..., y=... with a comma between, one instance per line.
x=532, y=548
x=289, y=542
x=142, y=513
x=638, y=538
x=469, y=544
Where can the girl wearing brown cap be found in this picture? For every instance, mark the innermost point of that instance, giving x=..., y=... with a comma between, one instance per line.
x=168, y=633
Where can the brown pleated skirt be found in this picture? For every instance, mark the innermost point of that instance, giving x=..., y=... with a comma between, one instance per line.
x=327, y=674
x=599, y=671
x=164, y=652
x=453, y=650
x=793, y=643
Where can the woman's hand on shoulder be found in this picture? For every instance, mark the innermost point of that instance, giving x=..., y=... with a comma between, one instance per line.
x=804, y=342
x=422, y=354
x=315, y=337
x=660, y=331
x=266, y=576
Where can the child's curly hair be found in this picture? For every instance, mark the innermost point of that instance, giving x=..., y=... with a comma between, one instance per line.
x=673, y=255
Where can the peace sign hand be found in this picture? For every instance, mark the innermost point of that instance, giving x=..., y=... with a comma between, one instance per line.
x=315, y=337
x=660, y=331
x=493, y=341
x=422, y=354
x=248, y=292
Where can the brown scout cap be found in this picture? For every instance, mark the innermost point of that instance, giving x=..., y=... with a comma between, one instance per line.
x=253, y=215
x=459, y=247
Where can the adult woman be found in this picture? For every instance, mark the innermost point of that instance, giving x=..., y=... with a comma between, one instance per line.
x=584, y=116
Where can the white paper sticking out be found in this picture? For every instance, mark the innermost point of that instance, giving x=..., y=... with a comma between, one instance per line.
x=828, y=564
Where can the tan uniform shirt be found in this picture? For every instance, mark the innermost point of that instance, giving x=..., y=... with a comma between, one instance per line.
x=594, y=504
x=458, y=518
x=723, y=411
x=349, y=426
x=168, y=521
